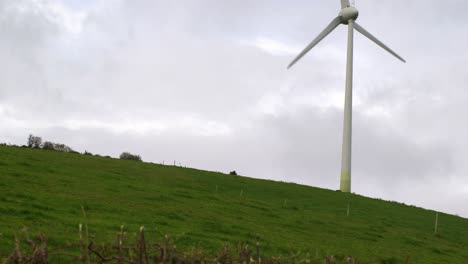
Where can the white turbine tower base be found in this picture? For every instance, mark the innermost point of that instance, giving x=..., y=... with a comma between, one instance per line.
x=347, y=16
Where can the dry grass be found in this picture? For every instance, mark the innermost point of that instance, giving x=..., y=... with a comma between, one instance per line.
x=142, y=251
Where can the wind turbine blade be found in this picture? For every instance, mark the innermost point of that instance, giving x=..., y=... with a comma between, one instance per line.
x=335, y=22
x=378, y=42
x=345, y=3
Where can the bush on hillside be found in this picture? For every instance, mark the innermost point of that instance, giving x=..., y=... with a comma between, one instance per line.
x=57, y=147
x=233, y=173
x=34, y=142
x=62, y=147
x=129, y=156
x=48, y=145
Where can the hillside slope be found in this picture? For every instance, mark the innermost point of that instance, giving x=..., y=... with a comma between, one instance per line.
x=42, y=191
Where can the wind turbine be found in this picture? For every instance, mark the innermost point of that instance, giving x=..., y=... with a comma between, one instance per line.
x=347, y=16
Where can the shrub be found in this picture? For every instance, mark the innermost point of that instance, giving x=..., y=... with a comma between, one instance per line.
x=48, y=145
x=34, y=142
x=129, y=156
x=56, y=146
x=62, y=147
x=233, y=173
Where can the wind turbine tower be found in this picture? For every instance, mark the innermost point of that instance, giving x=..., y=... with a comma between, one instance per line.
x=347, y=16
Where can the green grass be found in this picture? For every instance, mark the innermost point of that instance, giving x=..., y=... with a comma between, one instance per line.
x=43, y=191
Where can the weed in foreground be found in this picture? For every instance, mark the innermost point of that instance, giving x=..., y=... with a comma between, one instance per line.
x=143, y=252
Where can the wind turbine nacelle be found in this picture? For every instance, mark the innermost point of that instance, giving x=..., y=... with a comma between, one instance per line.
x=347, y=14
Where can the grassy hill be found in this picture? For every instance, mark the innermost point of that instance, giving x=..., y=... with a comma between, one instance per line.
x=42, y=191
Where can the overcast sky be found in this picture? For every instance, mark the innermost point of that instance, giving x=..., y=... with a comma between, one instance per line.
x=205, y=83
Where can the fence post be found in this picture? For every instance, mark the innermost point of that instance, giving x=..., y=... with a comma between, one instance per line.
x=436, y=223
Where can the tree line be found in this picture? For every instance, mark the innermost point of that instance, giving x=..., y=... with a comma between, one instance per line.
x=37, y=143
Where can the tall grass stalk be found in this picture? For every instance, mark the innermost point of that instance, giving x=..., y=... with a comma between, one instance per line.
x=86, y=248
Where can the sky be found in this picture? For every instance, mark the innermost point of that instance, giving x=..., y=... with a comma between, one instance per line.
x=204, y=83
